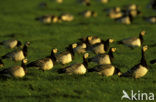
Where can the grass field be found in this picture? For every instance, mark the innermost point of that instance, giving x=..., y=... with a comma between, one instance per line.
x=17, y=16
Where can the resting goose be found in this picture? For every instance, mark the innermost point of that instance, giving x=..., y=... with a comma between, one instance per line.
x=101, y=48
x=67, y=17
x=134, y=41
x=103, y=58
x=77, y=68
x=115, y=13
x=17, y=55
x=11, y=43
x=16, y=71
x=150, y=19
x=106, y=70
x=140, y=69
x=66, y=56
x=46, y=63
x=81, y=48
x=90, y=40
x=45, y=19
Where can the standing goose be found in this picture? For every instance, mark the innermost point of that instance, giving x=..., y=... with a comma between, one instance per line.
x=103, y=58
x=17, y=55
x=46, y=63
x=106, y=70
x=11, y=43
x=134, y=41
x=77, y=68
x=140, y=69
x=101, y=48
x=16, y=71
x=125, y=19
x=66, y=56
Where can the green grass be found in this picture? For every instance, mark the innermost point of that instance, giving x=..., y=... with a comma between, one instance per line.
x=18, y=17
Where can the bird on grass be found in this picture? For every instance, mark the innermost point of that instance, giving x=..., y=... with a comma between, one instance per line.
x=11, y=43
x=67, y=56
x=133, y=41
x=100, y=48
x=150, y=19
x=16, y=71
x=17, y=55
x=80, y=68
x=103, y=58
x=46, y=63
x=139, y=70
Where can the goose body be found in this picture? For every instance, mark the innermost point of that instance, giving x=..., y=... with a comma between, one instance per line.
x=46, y=63
x=45, y=19
x=11, y=43
x=103, y=58
x=134, y=41
x=16, y=71
x=101, y=48
x=151, y=19
x=67, y=17
x=66, y=56
x=81, y=48
x=124, y=19
x=17, y=55
x=139, y=70
x=80, y=68
x=106, y=70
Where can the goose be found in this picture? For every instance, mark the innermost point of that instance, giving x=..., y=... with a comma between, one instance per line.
x=106, y=70
x=17, y=55
x=100, y=48
x=125, y=19
x=115, y=13
x=11, y=43
x=103, y=58
x=140, y=69
x=133, y=41
x=67, y=17
x=16, y=71
x=56, y=19
x=80, y=68
x=59, y=1
x=88, y=13
x=104, y=1
x=67, y=56
x=46, y=63
x=81, y=48
x=90, y=40
x=150, y=19
x=45, y=19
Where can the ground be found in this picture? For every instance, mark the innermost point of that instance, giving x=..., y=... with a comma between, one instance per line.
x=18, y=17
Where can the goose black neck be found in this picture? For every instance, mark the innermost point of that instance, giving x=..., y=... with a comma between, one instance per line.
x=24, y=66
x=70, y=49
x=110, y=53
x=143, y=60
x=53, y=56
x=85, y=62
x=141, y=38
x=106, y=45
x=25, y=50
